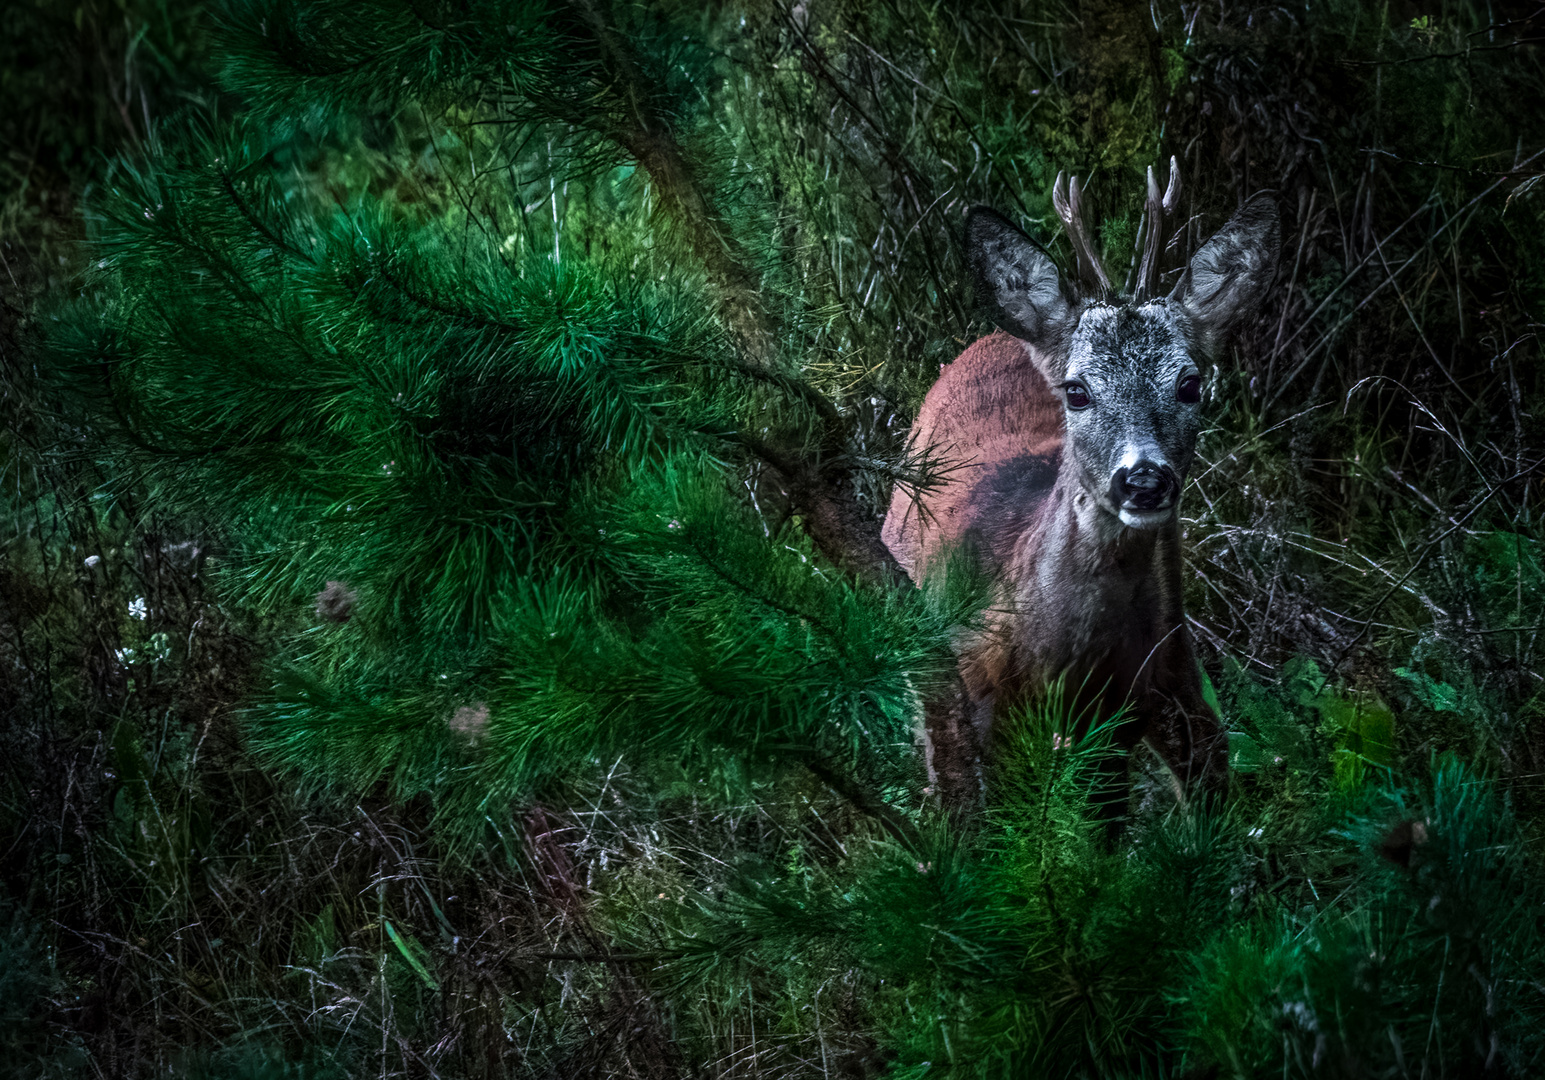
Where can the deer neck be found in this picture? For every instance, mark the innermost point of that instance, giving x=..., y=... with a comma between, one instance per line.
x=1100, y=601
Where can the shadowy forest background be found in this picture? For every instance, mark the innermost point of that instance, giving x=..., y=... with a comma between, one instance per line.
x=443, y=627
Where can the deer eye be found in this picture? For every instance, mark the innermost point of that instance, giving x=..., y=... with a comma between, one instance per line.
x=1190, y=389
x=1078, y=395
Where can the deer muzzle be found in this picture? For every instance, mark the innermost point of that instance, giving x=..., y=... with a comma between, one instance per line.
x=1145, y=491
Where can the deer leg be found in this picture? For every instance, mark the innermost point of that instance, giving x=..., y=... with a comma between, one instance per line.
x=1177, y=786
x=954, y=753
x=1189, y=739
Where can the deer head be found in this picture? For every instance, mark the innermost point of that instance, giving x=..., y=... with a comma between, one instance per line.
x=1128, y=369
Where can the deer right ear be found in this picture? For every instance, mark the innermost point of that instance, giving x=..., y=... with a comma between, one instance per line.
x=1229, y=276
x=1016, y=280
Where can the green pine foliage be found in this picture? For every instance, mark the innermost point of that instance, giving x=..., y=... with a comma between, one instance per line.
x=1033, y=949
x=1428, y=961
x=444, y=629
x=508, y=467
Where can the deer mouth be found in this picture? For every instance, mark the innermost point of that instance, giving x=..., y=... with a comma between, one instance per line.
x=1145, y=519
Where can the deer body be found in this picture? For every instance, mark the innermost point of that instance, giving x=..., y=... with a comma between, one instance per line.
x=1072, y=432
x=1079, y=593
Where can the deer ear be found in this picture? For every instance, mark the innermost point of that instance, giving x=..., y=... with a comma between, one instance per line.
x=1231, y=273
x=1016, y=281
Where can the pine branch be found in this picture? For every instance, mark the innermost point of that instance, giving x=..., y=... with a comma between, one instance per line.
x=846, y=532
x=840, y=780
x=649, y=139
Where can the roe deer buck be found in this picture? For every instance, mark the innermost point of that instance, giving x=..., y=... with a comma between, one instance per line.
x=1074, y=431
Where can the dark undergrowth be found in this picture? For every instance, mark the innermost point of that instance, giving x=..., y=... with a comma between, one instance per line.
x=421, y=654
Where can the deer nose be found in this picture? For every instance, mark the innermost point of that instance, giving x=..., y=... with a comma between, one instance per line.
x=1145, y=486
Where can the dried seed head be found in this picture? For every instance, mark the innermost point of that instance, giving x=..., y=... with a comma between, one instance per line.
x=470, y=720
x=336, y=602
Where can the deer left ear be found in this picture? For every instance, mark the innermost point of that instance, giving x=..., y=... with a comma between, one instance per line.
x=1231, y=273
x=1016, y=280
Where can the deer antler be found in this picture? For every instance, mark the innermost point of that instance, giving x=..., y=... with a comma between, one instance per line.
x=1154, y=213
x=1067, y=198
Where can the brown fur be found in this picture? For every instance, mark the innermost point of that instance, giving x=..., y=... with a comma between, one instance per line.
x=990, y=406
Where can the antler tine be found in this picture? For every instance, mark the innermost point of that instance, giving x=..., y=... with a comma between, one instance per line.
x=1172, y=192
x=1067, y=198
x=1155, y=211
